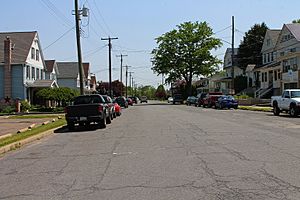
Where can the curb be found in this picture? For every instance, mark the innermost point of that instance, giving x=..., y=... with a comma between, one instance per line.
x=5, y=136
x=20, y=143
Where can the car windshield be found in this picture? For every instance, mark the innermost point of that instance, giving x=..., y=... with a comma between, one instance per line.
x=88, y=100
x=295, y=94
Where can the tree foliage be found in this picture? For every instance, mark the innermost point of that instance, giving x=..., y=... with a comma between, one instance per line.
x=186, y=51
x=61, y=95
x=160, y=92
x=250, y=47
x=296, y=21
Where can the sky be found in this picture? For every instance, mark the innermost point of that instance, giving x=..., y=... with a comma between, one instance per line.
x=136, y=23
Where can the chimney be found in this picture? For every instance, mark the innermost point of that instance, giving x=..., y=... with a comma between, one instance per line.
x=7, y=68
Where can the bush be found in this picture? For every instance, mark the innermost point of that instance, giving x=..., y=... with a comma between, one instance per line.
x=25, y=105
x=8, y=109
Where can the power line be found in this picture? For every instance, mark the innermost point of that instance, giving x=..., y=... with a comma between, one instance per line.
x=57, y=13
x=222, y=30
x=97, y=8
x=60, y=37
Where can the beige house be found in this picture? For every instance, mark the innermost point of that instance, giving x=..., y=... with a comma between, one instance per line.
x=288, y=54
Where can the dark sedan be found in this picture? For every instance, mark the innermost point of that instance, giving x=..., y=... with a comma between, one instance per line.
x=226, y=101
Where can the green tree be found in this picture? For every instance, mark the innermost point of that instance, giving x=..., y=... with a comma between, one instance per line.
x=186, y=51
x=250, y=47
x=296, y=21
x=160, y=92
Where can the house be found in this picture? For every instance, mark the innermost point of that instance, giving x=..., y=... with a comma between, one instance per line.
x=68, y=75
x=269, y=73
x=228, y=66
x=281, y=57
x=22, y=66
x=288, y=54
x=51, y=70
x=93, y=83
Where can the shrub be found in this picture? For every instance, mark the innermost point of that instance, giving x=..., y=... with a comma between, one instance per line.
x=25, y=105
x=8, y=109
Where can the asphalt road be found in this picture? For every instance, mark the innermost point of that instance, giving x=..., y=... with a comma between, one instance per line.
x=155, y=152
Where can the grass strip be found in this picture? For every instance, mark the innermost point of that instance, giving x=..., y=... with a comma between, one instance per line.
x=29, y=133
x=256, y=108
x=33, y=116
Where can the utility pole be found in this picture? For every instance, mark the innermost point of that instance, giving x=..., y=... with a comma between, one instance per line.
x=162, y=79
x=121, y=56
x=130, y=81
x=126, y=78
x=232, y=56
x=121, y=75
x=132, y=86
x=109, y=61
x=84, y=13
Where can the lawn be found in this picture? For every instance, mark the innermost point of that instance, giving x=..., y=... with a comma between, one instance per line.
x=35, y=131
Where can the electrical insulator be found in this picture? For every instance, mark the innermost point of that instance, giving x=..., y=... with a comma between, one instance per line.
x=85, y=11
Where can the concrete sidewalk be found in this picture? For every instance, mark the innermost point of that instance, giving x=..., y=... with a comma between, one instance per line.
x=11, y=126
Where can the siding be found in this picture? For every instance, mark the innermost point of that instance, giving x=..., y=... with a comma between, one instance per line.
x=1, y=82
x=70, y=83
x=18, y=90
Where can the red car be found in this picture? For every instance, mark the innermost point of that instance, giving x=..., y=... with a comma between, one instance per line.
x=118, y=109
x=210, y=99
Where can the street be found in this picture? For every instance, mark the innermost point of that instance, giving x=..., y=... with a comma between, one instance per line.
x=162, y=151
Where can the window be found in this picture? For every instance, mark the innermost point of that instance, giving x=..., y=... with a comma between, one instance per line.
x=272, y=56
x=275, y=75
x=37, y=55
x=32, y=53
x=37, y=73
x=28, y=72
x=268, y=60
x=268, y=42
x=278, y=74
x=33, y=73
x=266, y=76
x=293, y=50
x=264, y=58
x=282, y=53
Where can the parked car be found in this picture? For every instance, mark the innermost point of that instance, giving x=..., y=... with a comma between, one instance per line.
x=170, y=100
x=226, y=101
x=289, y=101
x=111, y=106
x=118, y=109
x=210, y=99
x=129, y=101
x=177, y=98
x=134, y=99
x=144, y=99
x=121, y=100
x=87, y=109
x=191, y=100
x=200, y=98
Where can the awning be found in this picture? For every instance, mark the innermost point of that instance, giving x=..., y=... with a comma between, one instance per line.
x=43, y=84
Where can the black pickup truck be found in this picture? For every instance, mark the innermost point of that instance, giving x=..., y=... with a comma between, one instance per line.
x=87, y=109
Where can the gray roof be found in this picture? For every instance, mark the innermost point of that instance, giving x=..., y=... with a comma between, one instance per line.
x=295, y=30
x=229, y=50
x=22, y=42
x=70, y=69
x=67, y=69
x=274, y=34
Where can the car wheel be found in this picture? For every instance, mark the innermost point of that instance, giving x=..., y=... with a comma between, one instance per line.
x=71, y=126
x=108, y=120
x=276, y=110
x=293, y=112
x=102, y=123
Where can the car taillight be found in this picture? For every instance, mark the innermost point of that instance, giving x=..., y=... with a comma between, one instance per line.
x=100, y=108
